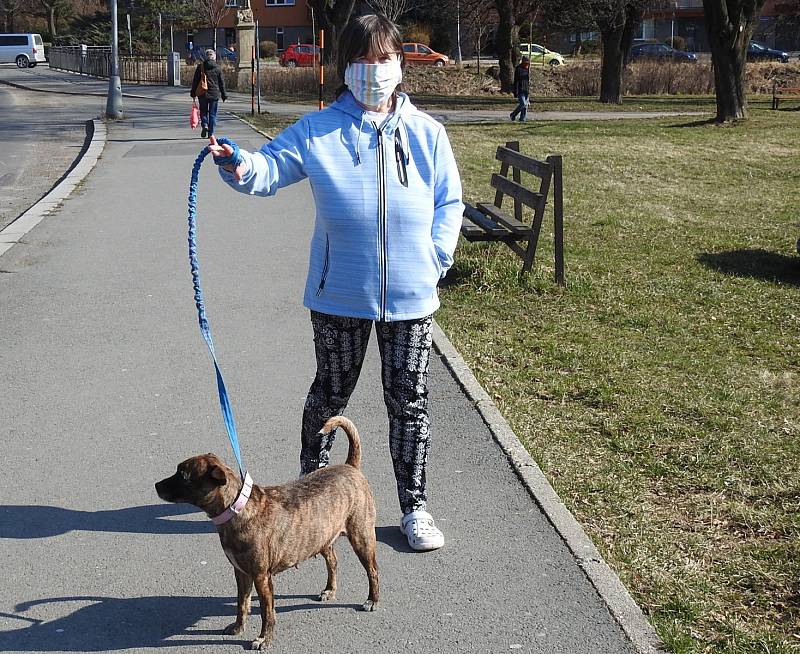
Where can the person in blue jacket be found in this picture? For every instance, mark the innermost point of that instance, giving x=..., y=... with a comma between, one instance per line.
x=388, y=214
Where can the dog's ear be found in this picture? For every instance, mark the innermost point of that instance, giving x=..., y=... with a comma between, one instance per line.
x=218, y=475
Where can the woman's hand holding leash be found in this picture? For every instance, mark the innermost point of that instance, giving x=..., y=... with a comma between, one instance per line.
x=226, y=154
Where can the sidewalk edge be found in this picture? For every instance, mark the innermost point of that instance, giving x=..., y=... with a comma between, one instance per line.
x=605, y=581
x=92, y=149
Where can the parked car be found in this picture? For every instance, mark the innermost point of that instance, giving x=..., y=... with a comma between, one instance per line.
x=538, y=54
x=758, y=52
x=25, y=50
x=198, y=54
x=226, y=54
x=301, y=54
x=660, y=52
x=419, y=53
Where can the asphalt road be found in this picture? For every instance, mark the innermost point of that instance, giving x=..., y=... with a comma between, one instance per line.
x=42, y=134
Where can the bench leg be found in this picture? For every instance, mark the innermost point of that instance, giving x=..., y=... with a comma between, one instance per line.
x=558, y=218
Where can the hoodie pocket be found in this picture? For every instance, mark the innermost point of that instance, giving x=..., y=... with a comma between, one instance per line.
x=325, y=266
x=435, y=257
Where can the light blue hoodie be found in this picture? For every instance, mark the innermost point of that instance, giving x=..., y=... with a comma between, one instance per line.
x=379, y=247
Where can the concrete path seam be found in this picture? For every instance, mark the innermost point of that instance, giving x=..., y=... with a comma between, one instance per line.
x=608, y=585
x=93, y=148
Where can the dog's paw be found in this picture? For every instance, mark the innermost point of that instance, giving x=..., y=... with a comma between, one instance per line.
x=370, y=605
x=233, y=629
x=260, y=643
x=327, y=595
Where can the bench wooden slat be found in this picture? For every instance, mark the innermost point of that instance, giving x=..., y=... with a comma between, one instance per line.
x=537, y=168
x=516, y=191
x=476, y=226
x=516, y=227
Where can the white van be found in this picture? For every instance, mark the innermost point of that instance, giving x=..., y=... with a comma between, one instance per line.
x=25, y=50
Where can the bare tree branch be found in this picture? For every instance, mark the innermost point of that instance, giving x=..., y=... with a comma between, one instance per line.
x=212, y=12
x=392, y=9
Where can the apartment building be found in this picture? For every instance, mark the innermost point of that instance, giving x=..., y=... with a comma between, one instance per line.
x=778, y=25
x=282, y=21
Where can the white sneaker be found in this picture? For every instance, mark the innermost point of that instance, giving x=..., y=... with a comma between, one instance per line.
x=423, y=535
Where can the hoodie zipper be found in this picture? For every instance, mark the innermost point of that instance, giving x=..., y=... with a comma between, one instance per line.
x=382, y=220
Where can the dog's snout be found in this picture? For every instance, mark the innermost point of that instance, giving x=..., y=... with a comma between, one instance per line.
x=165, y=489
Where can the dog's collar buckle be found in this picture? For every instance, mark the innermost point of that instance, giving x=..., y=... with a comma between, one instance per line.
x=238, y=505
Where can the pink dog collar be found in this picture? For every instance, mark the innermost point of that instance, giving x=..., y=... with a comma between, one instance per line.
x=239, y=503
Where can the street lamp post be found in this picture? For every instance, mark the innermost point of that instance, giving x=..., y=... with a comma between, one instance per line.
x=672, y=26
x=458, y=32
x=114, y=101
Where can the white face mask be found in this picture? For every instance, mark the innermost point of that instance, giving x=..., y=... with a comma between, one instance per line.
x=373, y=84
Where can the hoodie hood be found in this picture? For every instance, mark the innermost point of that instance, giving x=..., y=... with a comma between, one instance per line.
x=347, y=104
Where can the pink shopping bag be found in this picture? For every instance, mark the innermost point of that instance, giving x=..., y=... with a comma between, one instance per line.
x=194, y=117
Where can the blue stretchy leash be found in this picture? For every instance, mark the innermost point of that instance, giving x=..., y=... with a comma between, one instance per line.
x=205, y=330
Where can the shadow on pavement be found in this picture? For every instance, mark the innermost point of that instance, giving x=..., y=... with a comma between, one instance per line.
x=392, y=537
x=108, y=623
x=19, y=521
x=758, y=264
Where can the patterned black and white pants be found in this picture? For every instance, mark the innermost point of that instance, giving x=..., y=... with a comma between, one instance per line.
x=340, y=344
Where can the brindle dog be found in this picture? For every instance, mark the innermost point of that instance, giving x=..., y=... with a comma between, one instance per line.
x=283, y=525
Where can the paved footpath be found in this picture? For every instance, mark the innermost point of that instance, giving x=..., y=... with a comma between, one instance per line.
x=41, y=78
x=108, y=385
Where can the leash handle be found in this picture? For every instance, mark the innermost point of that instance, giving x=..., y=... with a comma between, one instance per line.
x=205, y=329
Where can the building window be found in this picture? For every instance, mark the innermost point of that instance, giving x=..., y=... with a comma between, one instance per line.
x=276, y=3
x=647, y=30
x=231, y=3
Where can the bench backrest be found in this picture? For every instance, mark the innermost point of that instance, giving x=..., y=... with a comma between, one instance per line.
x=509, y=156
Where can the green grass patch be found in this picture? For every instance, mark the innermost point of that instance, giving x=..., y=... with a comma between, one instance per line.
x=660, y=390
x=270, y=123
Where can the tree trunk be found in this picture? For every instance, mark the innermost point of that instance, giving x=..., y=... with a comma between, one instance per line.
x=617, y=38
x=611, y=65
x=730, y=25
x=52, y=20
x=332, y=17
x=729, y=65
x=504, y=45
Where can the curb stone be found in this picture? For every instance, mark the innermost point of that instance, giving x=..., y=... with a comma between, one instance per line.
x=96, y=133
x=605, y=581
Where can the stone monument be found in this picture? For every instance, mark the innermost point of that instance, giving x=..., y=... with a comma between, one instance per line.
x=245, y=38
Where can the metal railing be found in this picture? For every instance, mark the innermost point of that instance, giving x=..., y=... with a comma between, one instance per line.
x=95, y=61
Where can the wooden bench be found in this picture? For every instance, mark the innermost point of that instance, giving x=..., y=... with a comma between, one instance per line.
x=488, y=222
x=780, y=93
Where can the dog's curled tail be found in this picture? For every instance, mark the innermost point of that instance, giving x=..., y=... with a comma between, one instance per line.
x=354, y=452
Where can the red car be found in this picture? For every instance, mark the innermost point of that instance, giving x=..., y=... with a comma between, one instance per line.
x=302, y=54
x=419, y=53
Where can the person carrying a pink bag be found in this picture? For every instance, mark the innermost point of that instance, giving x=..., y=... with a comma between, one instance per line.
x=208, y=86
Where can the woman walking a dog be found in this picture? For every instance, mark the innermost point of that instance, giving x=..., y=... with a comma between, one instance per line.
x=388, y=215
